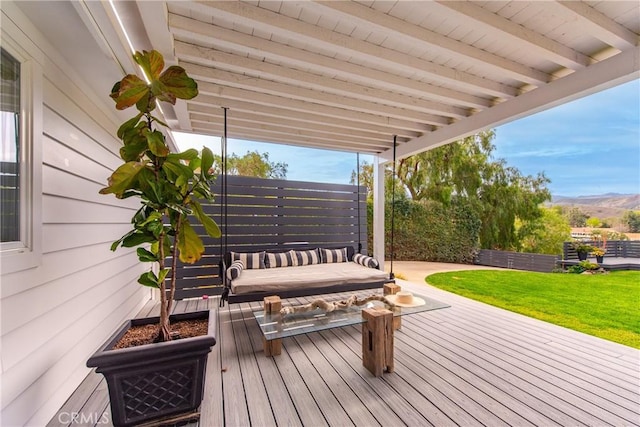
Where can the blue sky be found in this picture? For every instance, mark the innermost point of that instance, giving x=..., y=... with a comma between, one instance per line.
x=586, y=147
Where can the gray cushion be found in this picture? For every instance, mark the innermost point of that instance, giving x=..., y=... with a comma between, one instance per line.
x=251, y=260
x=333, y=255
x=308, y=257
x=280, y=259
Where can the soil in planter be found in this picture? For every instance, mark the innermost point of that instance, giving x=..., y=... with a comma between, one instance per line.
x=148, y=334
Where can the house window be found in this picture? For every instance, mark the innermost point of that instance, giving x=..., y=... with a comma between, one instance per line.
x=11, y=226
x=21, y=122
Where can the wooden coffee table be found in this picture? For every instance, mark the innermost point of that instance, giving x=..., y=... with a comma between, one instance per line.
x=378, y=324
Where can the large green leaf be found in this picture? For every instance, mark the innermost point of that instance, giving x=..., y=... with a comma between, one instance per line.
x=163, y=275
x=133, y=149
x=179, y=171
x=178, y=83
x=123, y=178
x=210, y=225
x=128, y=125
x=129, y=91
x=195, y=164
x=156, y=143
x=148, y=279
x=161, y=91
x=137, y=238
x=151, y=63
x=190, y=245
x=207, y=161
x=189, y=154
x=145, y=255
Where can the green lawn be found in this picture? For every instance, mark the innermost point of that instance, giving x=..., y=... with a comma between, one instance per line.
x=604, y=305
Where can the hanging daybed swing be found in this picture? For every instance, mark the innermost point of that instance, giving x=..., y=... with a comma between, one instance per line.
x=314, y=270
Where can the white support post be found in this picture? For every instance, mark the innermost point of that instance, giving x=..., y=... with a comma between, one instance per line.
x=378, y=210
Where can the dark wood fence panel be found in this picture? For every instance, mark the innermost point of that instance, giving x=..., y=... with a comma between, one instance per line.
x=9, y=202
x=517, y=260
x=615, y=248
x=269, y=214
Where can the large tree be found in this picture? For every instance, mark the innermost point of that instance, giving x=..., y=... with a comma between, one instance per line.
x=467, y=169
x=252, y=163
x=576, y=217
x=632, y=220
x=545, y=235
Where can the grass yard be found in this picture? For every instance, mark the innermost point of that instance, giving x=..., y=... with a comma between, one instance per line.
x=604, y=305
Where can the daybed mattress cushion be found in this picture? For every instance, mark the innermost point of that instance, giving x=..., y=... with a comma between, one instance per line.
x=306, y=276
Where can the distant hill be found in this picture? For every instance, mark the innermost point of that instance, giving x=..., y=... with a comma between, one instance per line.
x=602, y=206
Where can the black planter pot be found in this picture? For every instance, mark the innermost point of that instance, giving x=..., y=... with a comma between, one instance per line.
x=154, y=381
x=599, y=259
x=582, y=255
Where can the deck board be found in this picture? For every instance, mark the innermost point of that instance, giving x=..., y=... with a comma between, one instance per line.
x=470, y=364
x=284, y=411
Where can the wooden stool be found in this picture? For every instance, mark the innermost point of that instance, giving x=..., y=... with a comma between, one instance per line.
x=377, y=340
x=272, y=305
x=392, y=289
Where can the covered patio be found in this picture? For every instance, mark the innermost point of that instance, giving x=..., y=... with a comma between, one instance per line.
x=386, y=78
x=470, y=364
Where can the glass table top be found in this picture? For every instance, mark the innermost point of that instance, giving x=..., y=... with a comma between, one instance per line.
x=276, y=325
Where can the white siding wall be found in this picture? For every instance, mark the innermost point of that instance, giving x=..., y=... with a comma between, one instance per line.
x=55, y=315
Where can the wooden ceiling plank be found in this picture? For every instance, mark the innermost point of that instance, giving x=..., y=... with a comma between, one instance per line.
x=288, y=122
x=215, y=58
x=257, y=84
x=212, y=35
x=293, y=28
x=212, y=100
x=451, y=47
x=601, y=27
x=261, y=136
x=556, y=52
x=294, y=104
x=234, y=121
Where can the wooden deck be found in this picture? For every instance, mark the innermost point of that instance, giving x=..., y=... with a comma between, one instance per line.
x=471, y=364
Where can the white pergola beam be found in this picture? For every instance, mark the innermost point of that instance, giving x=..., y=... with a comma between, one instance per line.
x=290, y=94
x=208, y=34
x=277, y=130
x=251, y=134
x=378, y=211
x=294, y=104
x=602, y=27
x=557, y=52
x=602, y=75
x=266, y=20
x=448, y=46
x=242, y=64
x=275, y=111
x=288, y=122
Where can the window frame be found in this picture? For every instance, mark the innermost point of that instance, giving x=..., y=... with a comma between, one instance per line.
x=27, y=252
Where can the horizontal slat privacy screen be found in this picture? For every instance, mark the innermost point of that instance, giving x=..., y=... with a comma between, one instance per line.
x=270, y=214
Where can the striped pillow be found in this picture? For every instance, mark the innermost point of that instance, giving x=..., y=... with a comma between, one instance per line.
x=280, y=259
x=367, y=261
x=311, y=256
x=234, y=270
x=333, y=255
x=251, y=260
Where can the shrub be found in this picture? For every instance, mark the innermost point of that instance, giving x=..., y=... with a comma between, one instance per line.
x=588, y=265
x=430, y=231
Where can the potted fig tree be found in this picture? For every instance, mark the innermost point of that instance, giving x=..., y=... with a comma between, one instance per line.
x=164, y=377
